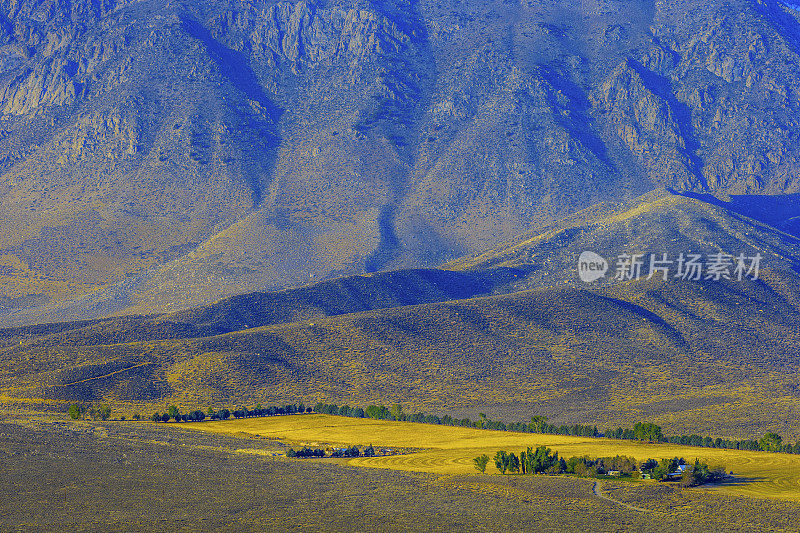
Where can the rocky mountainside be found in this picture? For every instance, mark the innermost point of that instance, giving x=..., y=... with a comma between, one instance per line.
x=657, y=224
x=157, y=155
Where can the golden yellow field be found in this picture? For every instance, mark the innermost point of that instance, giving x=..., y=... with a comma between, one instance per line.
x=449, y=450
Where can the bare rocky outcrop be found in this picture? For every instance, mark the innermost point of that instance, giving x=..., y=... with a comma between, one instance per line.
x=647, y=125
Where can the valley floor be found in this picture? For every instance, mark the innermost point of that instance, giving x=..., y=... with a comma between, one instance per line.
x=449, y=450
x=59, y=475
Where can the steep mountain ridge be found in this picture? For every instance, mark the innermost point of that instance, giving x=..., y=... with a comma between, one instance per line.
x=157, y=155
x=655, y=224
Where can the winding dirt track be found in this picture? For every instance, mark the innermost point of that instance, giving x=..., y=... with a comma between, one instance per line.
x=599, y=494
x=107, y=375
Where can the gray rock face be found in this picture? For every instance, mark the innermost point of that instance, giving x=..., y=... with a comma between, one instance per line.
x=647, y=125
x=158, y=155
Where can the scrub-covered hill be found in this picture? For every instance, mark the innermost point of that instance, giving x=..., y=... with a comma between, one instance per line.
x=712, y=356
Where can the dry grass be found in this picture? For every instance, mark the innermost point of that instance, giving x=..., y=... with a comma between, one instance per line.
x=449, y=450
x=60, y=476
x=712, y=358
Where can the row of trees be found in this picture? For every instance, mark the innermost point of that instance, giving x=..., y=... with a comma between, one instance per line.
x=173, y=413
x=644, y=431
x=588, y=467
x=274, y=410
x=352, y=451
x=538, y=424
x=647, y=431
x=539, y=461
x=103, y=412
x=79, y=410
x=306, y=452
x=381, y=412
x=545, y=461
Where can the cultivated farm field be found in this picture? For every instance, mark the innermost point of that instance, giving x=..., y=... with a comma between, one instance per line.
x=449, y=450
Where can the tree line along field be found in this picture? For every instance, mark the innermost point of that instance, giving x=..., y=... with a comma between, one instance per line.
x=450, y=450
x=158, y=477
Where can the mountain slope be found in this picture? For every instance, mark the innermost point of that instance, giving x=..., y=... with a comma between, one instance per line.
x=712, y=358
x=158, y=153
x=655, y=224
x=709, y=356
x=328, y=298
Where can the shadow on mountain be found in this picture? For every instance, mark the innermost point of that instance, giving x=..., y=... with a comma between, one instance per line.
x=389, y=244
x=341, y=296
x=235, y=66
x=667, y=329
x=781, y=211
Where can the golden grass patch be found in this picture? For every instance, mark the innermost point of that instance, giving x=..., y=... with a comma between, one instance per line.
x=449, y=450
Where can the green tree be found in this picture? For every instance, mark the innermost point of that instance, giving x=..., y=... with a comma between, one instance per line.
x=540, y=460
x=513, y=462
x=554, y=469
x=696, y=474
x=173, y=412
x=580, y=469
x=481, y=462
x=771, y=442
x=501, y=461
x=397, y=412
x=649, y=465
x=665, y=468
x=621, y=463
x=104, y=411
x=75, y=411
x=647, y=431
x=378, y=412
x=538, y=424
